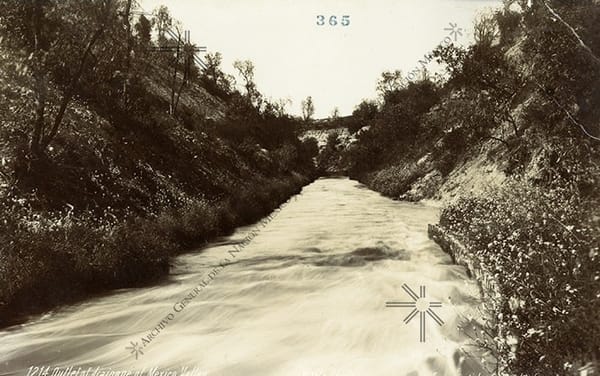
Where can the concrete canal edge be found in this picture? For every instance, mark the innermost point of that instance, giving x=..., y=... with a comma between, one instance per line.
x=461, y=255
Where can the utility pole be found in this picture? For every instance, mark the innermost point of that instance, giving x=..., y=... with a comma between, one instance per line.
x=189, y=51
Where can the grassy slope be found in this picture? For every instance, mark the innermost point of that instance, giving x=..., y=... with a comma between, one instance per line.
x=118, y=194
x=529, y=233
x=531, y=219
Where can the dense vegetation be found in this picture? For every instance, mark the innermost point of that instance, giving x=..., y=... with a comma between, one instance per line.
x=118, y=151
x=541, y=245
x=525, y=98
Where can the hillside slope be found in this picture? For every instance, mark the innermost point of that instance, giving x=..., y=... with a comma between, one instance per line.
x=125, y=183
x=510, y=145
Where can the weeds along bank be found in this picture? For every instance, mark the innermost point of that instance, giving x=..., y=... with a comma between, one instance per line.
x=538, y=234
x=115, y=157
x=510, y=143
x=108, y=210
x=57, y=257
x=542, y=247
x=540, y=242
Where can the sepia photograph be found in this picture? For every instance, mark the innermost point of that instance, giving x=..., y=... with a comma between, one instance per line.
x=299, y=188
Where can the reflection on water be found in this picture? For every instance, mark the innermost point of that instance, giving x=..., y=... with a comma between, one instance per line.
x=305, y=297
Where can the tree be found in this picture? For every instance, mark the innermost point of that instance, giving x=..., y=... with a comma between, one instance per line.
x=143, y=29
x=163, y=21
x=310, y=147
x=567, y=68
x=452, y=57
x=214, y=79
x=486, y=30
x=308, y=108
x=335, y=113
x=333, y=141
x=390, y=82
x=276, y=108
x=281, y=106
x=483, y=73
x=362, y=115
x=213, y=72
x=245, y=69
x=56, y=48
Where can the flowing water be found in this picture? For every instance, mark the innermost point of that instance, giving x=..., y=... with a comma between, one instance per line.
x=304, y=293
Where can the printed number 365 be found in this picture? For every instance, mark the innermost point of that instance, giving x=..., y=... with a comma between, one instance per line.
x=333, y=21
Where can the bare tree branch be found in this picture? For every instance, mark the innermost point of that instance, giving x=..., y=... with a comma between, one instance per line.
x=573, y=120
x=573, y=31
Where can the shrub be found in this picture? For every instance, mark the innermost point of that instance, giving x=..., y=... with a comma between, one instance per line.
x=542, y=247
x=51, y=258
x=396, y=180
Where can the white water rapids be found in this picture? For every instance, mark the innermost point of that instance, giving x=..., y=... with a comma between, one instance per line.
x=306, y=296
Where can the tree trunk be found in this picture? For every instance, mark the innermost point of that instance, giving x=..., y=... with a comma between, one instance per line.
x=129, y=36
x=174, y=81
x=39, y=124
x=183, y=82
x=74, y=81
x=40, y=81
x=574, y=32
x=498, y=139
x=178, y=95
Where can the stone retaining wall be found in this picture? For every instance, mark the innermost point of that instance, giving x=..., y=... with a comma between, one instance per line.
x=461, y=256
x=489, y=286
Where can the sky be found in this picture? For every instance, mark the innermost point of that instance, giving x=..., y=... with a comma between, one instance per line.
x=338, y=66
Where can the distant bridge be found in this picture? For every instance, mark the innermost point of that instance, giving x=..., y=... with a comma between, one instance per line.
x=321, y=134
